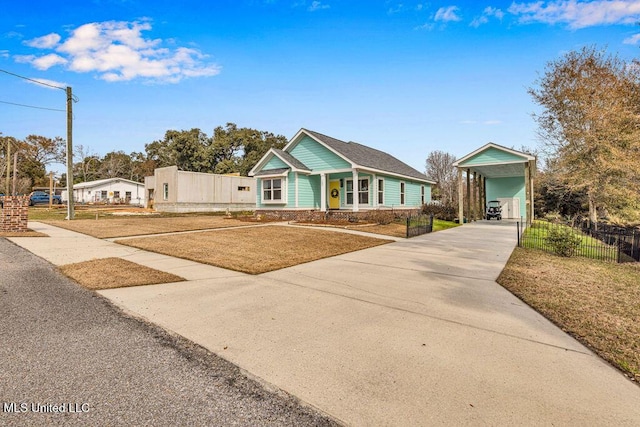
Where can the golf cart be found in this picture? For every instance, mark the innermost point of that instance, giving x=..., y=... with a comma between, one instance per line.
x=494, y=210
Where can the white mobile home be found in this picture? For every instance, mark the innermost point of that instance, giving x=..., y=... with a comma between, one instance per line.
x=110, y=190
x=173, y=190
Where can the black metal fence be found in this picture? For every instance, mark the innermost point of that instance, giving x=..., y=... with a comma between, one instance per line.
x=580, y=238
x=419, y=224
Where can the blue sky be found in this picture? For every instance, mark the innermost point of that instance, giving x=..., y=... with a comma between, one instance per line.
x=406, y=77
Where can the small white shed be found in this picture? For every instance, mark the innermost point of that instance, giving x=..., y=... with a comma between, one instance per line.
x=109, y=190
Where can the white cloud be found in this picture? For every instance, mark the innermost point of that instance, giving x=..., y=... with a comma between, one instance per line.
x=48, y=83
x=634, y=39
x=118, y=51
x=448, y=14
x=488, y=12
x=317, y=5
x=492, y=122
x=44, y=42
x=4, y=53
x=47, y=61
x=578, y=14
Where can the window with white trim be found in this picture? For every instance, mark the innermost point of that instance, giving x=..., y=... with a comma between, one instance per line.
x=402, y=192
x=422, y=194
x=363, y=191
x=381, y=191
x=272, y=190
x=165, y=191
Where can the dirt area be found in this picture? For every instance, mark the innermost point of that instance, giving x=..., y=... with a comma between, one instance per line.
x=138, y=225
x=109, y=273
x=28, y=233
x=256, y=250
x=594, y=301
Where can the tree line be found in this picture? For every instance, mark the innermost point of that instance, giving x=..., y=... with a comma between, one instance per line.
x=231, y=149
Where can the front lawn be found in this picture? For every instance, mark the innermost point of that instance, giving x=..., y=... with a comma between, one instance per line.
x=596, y=302
x=255, y=250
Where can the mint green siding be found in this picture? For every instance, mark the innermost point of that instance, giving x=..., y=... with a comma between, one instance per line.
x=291, y=189
x=275, y=163
x=499, y=188
x=316, y=157
x=492, y=155
x=308, y=192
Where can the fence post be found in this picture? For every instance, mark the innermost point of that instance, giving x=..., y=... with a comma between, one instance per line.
x=518, y=231
x=431, y=223
x=408, y=222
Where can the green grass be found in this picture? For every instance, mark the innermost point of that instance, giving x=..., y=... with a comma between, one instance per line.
x=535, y=237
x=439, y=225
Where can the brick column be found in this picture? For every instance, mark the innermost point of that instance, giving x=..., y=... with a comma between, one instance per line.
x=13, y=217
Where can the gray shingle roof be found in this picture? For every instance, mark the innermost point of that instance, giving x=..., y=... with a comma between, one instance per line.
x=369, y=157
x=290, y=159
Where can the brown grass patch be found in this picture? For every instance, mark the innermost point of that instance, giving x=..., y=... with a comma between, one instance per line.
x=393, y=229
x=104, y=228
x=109, y=273
x=28, y=233
x=596, y=302
x=256, y=250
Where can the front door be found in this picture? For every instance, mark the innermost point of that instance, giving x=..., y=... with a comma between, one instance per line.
x=334, y=194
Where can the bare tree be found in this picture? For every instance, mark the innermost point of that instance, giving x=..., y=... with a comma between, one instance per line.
x=439, y=167
x=590, y=127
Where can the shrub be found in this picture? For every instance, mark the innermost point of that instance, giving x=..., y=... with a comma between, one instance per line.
x=381, y=217
x=563, y=241
x=440, y=211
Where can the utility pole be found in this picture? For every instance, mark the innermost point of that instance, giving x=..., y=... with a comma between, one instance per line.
x=15, y=171
x=70, y=213
x=8, y=158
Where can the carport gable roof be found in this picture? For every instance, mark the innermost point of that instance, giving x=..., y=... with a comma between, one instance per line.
x=360, y=156
x=495, y=161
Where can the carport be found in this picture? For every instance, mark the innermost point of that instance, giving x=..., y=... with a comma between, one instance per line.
x=494, y=172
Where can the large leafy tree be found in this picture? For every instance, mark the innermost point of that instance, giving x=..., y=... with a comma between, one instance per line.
x=35, y=152
x=230, y=150
x=239, y=149
x=590, y=127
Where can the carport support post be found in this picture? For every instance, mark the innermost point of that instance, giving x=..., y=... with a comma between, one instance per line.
x=475, y=196
x=527, y=193
x=468, y=199
x=460, y=197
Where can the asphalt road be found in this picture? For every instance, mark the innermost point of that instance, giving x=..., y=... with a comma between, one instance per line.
x=69, y=357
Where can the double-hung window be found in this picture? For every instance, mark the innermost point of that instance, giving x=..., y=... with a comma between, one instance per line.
x=363, y=191
x=272, y=190
x=380, y=191
x=422, y=194
x=402, y=193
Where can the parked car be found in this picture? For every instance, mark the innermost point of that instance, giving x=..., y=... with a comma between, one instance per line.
x=38, y=197
x=494, y=210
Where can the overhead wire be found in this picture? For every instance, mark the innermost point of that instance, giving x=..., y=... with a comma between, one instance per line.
x=74, y=98
x=32, y=106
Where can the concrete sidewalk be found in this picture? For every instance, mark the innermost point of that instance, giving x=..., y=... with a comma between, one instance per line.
x=415, y=332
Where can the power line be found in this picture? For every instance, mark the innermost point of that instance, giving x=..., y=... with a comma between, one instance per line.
x=32, y=80
x=31, y=106
x=74, y=97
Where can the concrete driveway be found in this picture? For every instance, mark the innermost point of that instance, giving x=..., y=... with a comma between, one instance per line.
x=410, y=333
